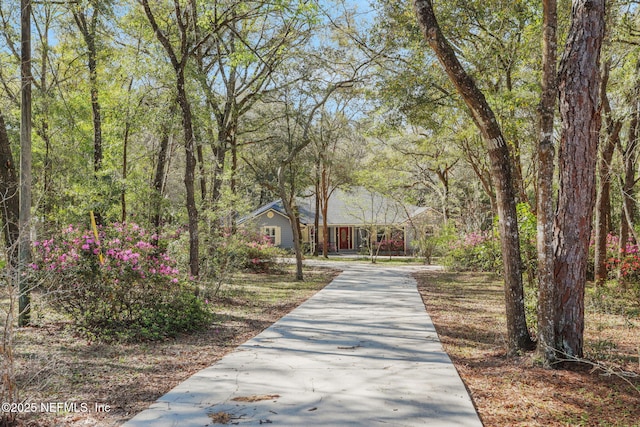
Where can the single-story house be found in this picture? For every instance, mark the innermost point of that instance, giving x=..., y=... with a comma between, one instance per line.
x=356, y=220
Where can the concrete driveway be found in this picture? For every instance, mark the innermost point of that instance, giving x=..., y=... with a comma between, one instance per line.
x=361, y=352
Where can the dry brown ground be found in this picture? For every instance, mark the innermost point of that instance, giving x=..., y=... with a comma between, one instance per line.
x=468, y=313
x=57, y=366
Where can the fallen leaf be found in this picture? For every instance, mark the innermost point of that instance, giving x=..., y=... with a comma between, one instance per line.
x=220, y=418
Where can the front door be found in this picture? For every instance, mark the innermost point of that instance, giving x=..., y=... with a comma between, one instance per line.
x=344, y=238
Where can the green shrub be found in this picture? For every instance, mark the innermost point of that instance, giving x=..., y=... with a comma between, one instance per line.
x=478, y=251
x=481, y=251
x=256, y=252
x=119, y=287
x=527, y=231
x=229, y=253
x=426, y=247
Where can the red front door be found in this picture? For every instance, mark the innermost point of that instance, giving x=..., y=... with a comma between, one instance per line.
x=344, y=238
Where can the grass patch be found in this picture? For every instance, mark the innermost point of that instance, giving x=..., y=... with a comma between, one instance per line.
x=56, y=365
x=468, y=312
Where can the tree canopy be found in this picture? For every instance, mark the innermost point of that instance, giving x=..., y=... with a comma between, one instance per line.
x=187, y=114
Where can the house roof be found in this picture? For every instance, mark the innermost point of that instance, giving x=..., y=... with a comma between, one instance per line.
x=306, y=217
x=357, y=206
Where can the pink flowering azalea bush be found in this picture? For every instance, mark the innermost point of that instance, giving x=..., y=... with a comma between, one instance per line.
x=630, y=267
x=119, y=286
x=256, y=252
x=476, y=251
x=481, y=251
x=391, y=245
x=621, y=295
x=626, y=263
x=621, y=264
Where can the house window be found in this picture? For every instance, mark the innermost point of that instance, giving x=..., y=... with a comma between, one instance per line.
x=273, y=234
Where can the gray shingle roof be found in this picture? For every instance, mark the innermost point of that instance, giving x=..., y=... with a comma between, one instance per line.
x=357, y=206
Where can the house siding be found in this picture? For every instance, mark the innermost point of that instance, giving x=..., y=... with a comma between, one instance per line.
x=286, y=235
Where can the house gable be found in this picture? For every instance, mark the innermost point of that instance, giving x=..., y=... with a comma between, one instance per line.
x=271, y=214
x=273, y=224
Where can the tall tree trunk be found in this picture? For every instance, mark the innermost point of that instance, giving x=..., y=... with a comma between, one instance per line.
x=324, y=206
x=233, y=184
x=290, y=209
x=578, y=79
x=518, y=179
x=603, y=196
x=189, y=176
x=603, y=205
x=179, y=65
x=44, y=130
x=443, y=177
x=88, y=31
x=518, y=334
x=220, y=154
x=630, y=155
x=545, y=214
x=159, y=177
x=9, y=197
x=125, y=167
x=325, y=228
x=24, y=219
x=97, y=119
x=316, y=214
x=202, y=172
x=125, y=149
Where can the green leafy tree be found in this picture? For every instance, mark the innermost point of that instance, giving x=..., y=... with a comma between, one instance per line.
x=518, y=334
x=336, y=149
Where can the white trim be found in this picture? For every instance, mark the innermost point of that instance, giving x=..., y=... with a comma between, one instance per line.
x=273, y=232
